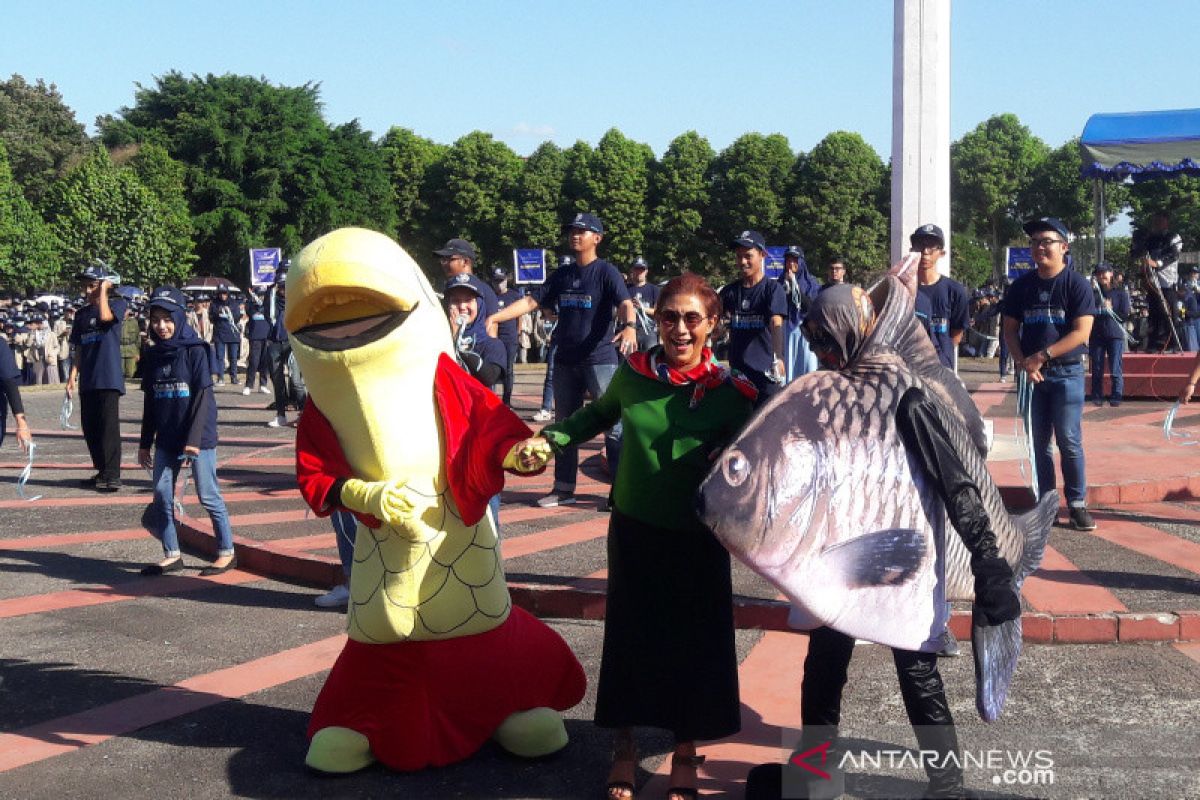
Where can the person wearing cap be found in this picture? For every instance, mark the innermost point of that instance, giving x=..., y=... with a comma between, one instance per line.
x=226, y=316
x=545, y=323
x=507, y=332
x=1157, y=252
x=801, y=289
x=645, y=297
x=948, y=303
x=459, y=256
x=179, y=420
x=96, y=371
x=1107, y=340
x=278, y=346
x=483, y=356
x=258, y=366
x=585, y=292
x=1048, y=316
x=755, y=308
x=837, y=273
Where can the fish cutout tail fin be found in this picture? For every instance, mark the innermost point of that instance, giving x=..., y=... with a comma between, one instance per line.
x=1035, y=526
x=995, y=649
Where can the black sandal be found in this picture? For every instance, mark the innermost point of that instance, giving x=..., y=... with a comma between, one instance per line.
x=686, y=792
x=163, y=569
x=622, y=790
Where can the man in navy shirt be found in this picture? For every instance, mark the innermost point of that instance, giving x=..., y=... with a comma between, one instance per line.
x=506, y=332
x=1048, y=314
x=585, y=359
x=1108, y=335
x=226, y=316
x=755, y=308
x=645, y=297
x=96, y=335
x=457, y=257
x=837, y=273
x=949, y=306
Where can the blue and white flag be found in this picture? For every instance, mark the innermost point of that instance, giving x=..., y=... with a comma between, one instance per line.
x=263, y=263
x=529, y=265
x=773, y=261
x=1018, y=261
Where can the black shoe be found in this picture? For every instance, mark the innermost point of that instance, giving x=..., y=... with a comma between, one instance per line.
x=1114, y=401
x=159, y=569
x=208, y=572
x=108, y=486
x=90, y=483
x=1081, y=520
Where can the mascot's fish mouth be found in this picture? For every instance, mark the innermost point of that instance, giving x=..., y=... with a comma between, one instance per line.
x=351, y=333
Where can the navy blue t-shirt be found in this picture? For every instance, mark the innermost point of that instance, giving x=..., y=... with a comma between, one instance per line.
x=585, y=297
x=274, y=307
x=1105, y=327
x=507, y=331
x=750, y=311
x=1047, y=309
x=173, y=385
x=98, y=347
x=224, y=318
x=647, y=295
x=257, y=328
x=949, y=310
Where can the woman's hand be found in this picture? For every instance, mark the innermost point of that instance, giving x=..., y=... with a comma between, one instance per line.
x=24, y=437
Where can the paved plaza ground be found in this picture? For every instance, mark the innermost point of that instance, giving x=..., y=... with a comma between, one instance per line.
x=115, y=685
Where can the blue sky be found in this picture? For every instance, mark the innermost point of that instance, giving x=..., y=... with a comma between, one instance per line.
x=537, y=70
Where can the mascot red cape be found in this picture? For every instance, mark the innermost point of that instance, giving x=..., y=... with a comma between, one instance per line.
x=438, y=660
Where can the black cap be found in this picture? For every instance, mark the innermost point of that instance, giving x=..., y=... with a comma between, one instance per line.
x=202, y=297
x=465, y=280
x=749, y=239
x=498, y=274
x=585, y=221
x=794, y=251
x=639, y=263
x=1046, y=224
x=457, y=247
x=169, y=298
x=1102, y=267
x=99, y=271
x=928, y=231
x=223, y=288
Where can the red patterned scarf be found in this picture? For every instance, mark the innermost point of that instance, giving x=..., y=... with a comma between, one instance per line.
x=708, y=374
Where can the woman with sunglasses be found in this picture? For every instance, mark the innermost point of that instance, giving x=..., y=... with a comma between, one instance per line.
x=669, y=659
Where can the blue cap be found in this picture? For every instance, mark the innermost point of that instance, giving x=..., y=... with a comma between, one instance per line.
x=465, y=280
x=1046, y=224
x=498, y=274
x=458, y=247
x=794, y=251
x=168, y=298
x=585, y=221
x=928, y=231
x=749, y=239
x=99, y=271
x=639, y=263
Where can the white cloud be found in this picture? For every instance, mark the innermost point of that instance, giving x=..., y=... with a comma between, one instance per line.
x=540, y=131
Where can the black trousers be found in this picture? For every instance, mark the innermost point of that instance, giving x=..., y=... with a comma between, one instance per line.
x=258, y=363
x=1160, y=323
x=510, y=349
x=277, y=354
x=101, y=423
x=231, y=351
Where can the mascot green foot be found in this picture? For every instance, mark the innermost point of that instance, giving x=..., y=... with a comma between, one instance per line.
x=338, y=751
x=531, y=734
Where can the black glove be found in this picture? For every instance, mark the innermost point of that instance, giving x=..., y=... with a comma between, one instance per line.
x=995, y=600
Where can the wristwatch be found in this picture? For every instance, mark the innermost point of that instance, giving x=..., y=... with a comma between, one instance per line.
x=625, y=325
x=1046, y=355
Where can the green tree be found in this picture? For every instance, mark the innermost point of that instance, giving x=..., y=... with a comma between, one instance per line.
x=41, y=134
x=835, y=204
x=749, y=181
x=577, y=181
x=409, y=158
x=478, y=180
x=101, y=211
x=619, y=181
x=680, y=195
x=971, y=262
x=1179, y=196
x=990, y=168
x=29, y=257
x=536, y=219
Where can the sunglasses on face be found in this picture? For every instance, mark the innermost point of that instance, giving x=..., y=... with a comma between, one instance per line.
x=691, y=319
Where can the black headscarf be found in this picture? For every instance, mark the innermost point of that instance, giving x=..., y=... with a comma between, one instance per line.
x=839, y=322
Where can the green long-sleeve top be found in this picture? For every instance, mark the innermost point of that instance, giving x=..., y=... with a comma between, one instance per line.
x=665, y=447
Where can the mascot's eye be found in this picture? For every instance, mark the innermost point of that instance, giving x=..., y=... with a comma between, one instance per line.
x=736, y=468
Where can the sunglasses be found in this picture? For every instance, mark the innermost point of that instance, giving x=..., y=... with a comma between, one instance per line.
x=691, y=319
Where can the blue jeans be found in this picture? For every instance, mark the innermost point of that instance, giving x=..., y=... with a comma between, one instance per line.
x=548, y=385
x=1113, y=350
x=344, y=528
x=800, y=358
x=232, y=351
x=570, y=383
x=1191, y=335
x=1057, y=407
x=160, y=517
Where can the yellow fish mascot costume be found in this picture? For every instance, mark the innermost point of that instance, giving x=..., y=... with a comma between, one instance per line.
x=438, y=660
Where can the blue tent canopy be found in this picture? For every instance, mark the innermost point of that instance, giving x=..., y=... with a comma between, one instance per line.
x=1142, y=145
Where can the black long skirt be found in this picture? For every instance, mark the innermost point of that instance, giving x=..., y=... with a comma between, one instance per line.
x=669, y=658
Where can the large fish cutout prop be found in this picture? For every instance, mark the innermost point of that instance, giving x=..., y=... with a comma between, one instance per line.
x=819, y=495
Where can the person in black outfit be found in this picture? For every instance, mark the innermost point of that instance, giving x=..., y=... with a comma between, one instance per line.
x=10, y=397
x=1156, y=251
x=507, y=332
x=226, y=316
x=278, y=346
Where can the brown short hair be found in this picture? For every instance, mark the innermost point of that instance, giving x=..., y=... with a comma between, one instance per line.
x=691, y=283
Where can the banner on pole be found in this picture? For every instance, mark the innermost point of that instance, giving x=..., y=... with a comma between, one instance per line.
x=529, y=265
x=263, y=263
x=1018, y=261
x=773, y=261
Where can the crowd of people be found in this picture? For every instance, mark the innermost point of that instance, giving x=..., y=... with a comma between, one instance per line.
x=645, y=357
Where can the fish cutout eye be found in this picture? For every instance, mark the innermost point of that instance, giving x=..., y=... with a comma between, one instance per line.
x=735, y=468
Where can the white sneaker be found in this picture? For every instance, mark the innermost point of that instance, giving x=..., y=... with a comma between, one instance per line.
x=246, y=390
x=278, y=422
x=264, y=390
x=543, y=415
x=220, y=383
x=337, y=596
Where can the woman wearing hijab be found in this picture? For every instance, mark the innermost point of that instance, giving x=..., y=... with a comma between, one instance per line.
x=179, y=419
x=669, y=659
